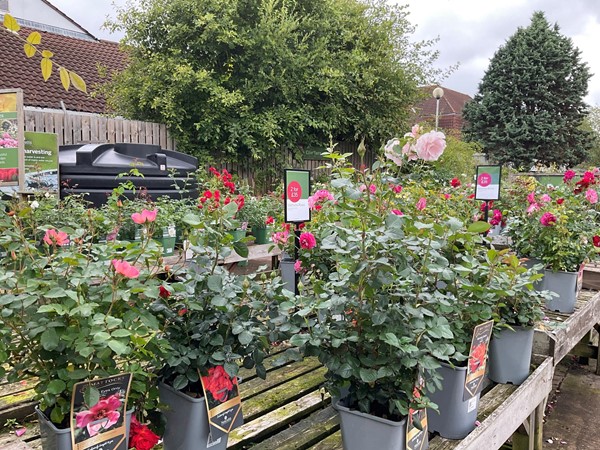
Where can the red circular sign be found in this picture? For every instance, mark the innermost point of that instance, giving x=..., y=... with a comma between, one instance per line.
x=294, y=191
x=485, y=179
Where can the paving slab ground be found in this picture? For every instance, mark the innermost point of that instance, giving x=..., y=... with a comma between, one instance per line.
x=573, y=413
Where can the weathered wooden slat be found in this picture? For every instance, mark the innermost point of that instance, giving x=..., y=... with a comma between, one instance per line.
x=276, y=420
x=305, y=433
x=332, y=442
x=562, y=334
x=282, y=394
x=283, y=374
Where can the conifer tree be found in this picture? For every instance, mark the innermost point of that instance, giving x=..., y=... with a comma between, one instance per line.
x=529, y=106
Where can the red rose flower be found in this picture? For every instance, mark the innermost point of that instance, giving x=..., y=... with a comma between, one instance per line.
x=560, y=201
x=163, y=292
x=455, y=182
x=218, y=383
x=596, y=240
x=141, y=437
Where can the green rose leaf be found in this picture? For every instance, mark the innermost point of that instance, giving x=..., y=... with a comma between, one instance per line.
x=368, y=375
x=49, y=339
x=479, y=227
x=55, y=387
x=245, y=337
x=91, y=395
x=117, y=346
x=215, y=283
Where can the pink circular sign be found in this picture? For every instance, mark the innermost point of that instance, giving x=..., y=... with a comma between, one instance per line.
x=485, y=179
x=294, y=191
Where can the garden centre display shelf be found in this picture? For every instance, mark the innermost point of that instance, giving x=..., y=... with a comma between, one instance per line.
x=562, y=333
x=290, y=411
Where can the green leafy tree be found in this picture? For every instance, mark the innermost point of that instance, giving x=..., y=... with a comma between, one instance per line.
x=530, y=101
x=592, y=124
x=239, y=78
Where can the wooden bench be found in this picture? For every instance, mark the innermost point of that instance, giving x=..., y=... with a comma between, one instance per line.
x=565, y=333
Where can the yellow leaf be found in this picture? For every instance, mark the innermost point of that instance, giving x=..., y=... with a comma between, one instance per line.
x=46, y=68
x=47, y=54
x=29, y=50
x=10, y=23
x=78, y=82
x=64, y=78
x=34, y=38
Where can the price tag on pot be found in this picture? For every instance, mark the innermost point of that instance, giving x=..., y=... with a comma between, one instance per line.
x=98, y=411
x=223, y=402
x=477, y=359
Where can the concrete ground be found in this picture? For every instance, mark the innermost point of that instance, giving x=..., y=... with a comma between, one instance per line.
x=573, y=412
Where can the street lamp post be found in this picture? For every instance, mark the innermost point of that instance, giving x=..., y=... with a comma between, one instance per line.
x=438, y=93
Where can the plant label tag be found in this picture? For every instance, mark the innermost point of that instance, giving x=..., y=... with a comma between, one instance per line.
x=472, y=404
x=477, y=359
x=417, y=436
x=580, y=278
x=98, y=410
x=223, y=402
x=163, y=167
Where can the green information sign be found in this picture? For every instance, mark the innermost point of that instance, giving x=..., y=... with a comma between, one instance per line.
x=297, y=191
x=488, y=182
x=41, y=162
x=9, y=140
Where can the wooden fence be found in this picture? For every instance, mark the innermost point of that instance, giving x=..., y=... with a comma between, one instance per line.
x=83, y=128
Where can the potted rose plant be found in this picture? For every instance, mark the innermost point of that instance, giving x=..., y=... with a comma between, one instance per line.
x=558, y=226
x=74, y=309
x=369, y=314
x=213, y=321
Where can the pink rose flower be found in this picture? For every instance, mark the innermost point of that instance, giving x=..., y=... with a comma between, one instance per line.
x=531, y=197
x=397, y=212
x=125, y=269
x=144, y=216
x=430, y=146
x=58, y=238
x=101, y=416
x=298, y=266
x=397, y=188
x=421, y=204
x=548, y=219
x=569, y=175
x=307, y=241
x=447, y=196
x=390, y=153
x=592, y=196
x=545, y=198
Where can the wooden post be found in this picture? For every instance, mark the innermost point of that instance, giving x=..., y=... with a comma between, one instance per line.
x=523, y=438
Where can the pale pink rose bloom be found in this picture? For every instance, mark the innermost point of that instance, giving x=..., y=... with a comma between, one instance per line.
x=421, y=204
x=430, y=146
x=545, y=198
x=390, y=153
x=125, y=269
x=144, y=216
x=592, y=196
x=298, y=266
x=533, y=208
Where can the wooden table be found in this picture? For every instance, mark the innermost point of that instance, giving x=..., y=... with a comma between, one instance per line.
x=565, y=333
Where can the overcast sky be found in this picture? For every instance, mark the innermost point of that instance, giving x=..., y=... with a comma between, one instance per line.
x=469, y=31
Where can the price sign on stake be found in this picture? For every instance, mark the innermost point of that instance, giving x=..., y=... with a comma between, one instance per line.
x=297, y=191
x=488, y=182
